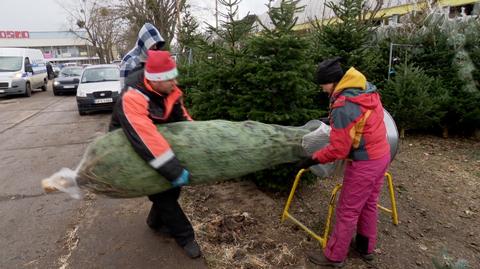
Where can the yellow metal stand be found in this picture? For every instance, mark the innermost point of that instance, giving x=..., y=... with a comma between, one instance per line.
x=331, y=206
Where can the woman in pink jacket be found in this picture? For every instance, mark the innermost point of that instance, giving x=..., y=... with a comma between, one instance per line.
x=358, y=135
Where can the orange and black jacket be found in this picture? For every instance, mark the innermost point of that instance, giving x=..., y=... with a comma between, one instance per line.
x=137, y=112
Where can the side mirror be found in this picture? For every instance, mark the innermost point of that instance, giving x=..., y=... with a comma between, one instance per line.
x=28, y=68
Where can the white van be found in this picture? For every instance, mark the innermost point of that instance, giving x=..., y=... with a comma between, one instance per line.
x=22, y=70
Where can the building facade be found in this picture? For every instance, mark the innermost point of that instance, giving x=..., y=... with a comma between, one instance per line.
x=58, y=47
x=390, y=12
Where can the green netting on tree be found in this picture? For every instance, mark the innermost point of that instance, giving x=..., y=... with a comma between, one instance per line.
x=211, y=150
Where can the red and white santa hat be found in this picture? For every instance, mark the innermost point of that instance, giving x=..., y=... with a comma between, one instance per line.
x=160, y=66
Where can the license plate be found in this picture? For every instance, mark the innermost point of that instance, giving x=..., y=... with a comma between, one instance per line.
x=103, y=100
x=2, y=91
x=68, y=87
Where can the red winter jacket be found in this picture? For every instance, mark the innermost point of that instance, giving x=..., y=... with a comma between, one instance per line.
x=356, y=117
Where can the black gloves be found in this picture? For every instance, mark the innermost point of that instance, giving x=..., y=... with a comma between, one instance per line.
x=306, y=163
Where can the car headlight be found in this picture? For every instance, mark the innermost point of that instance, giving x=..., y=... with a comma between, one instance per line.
x=81, y=93
x=18, y=75
x=56, y=83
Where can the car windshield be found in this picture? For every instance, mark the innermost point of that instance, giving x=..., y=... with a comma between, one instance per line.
x=101, y=74
x=10, y=63
x=71, y=72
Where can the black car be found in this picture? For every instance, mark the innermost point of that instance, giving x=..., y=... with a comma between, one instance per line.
x=67, y=80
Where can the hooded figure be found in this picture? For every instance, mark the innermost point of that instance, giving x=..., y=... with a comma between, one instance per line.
x=148, y=38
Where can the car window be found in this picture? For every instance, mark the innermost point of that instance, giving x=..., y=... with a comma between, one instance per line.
x=101, y=74
x=10, y=63
x=71, y=72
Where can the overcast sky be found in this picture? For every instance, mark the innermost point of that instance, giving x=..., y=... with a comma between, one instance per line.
x=47, y=15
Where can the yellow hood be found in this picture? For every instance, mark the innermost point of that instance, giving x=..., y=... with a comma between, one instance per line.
x=352, y=79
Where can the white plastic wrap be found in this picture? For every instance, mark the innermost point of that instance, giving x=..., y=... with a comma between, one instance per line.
x=64, y=181
x=317, y=140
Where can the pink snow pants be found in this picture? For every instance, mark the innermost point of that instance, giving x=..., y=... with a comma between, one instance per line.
x=357, y=206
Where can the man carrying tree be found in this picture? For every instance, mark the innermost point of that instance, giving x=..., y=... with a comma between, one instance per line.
x=152, y=97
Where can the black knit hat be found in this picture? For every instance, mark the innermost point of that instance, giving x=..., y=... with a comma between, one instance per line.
x=329, y=71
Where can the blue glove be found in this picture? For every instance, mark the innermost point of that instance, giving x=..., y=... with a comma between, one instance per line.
x=182, y=180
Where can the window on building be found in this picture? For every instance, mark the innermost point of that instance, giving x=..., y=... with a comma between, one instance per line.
x=460, y=11
x=377, y=22
x=74, y=51
x=393, y=20
x=83, y=51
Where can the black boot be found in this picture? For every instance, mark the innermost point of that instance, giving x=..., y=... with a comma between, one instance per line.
x=360, y=247
x=192, y=249
x=319, y=258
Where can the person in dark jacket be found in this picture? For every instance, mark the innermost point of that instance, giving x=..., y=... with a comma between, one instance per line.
x=50, y=73
x=149, y=38
x=152, y=97
x=358, y=135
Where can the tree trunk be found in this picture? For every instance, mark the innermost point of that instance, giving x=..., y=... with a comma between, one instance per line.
x=402, y=133
x=108, y=54
x=100, y=55
x=476, y=134
x=445, y=132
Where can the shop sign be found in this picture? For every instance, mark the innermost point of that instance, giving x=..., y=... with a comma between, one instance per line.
x=14, y=34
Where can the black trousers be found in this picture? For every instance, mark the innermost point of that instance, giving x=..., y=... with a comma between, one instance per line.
x=167, y=212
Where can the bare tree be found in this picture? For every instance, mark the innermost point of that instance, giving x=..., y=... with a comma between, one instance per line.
x=164, y=14
x=96, y=22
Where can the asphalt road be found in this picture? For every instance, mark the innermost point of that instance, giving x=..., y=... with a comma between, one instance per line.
x=38, y=136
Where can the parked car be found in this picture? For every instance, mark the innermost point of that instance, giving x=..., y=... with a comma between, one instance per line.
x=69, y=64
x=99, y=88
x=56, y=70
x=22, y=70
x=67, y=81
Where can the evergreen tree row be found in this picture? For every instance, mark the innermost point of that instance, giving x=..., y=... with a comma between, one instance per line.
x=431, y=83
